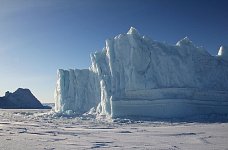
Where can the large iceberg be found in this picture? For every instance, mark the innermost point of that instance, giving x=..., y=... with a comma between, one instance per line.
x=134, y=76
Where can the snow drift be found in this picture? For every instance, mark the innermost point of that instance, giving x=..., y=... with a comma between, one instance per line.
x=134, y=76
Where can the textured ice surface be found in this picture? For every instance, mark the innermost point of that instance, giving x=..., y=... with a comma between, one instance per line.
x=36, y=130
x=76, y=90
x=134, y=76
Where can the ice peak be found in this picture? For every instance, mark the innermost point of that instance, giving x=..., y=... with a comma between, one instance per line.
x=132, y=30
x=220, y=51
x=223, y=52
x=185, y=42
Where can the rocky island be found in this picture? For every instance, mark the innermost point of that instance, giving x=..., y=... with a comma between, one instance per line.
x=21, y=99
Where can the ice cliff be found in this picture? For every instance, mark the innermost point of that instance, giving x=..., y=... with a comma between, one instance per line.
x=134, y=76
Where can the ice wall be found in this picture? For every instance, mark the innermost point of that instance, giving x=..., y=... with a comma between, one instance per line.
x=76, y=90
x=138, y=77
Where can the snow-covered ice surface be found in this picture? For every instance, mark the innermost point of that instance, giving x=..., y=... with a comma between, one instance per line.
x=134, y=76
x=40, y=129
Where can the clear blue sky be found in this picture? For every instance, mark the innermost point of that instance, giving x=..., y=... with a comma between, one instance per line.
x=39, y=36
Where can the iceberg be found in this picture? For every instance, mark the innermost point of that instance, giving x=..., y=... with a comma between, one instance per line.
x=134, y=76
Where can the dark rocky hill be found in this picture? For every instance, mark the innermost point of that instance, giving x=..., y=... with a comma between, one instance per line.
x=21, y=99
